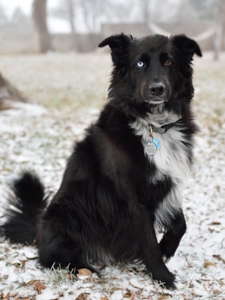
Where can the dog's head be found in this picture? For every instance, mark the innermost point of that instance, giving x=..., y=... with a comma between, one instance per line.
x=153, y=70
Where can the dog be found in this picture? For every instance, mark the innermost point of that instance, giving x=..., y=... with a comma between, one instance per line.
x=124, y=180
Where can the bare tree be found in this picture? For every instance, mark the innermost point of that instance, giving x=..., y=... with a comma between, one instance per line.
x=19, y=20
x=213, y=10
x=66, y=10
x=223, y=28
x=144, y=6
x=96, y=11
x=42, y=41
x=119, y=12
x=92, y=10
x=3, y=18
x=206, y=9
x=9, y=94
x=71, y=11
x=220, y=24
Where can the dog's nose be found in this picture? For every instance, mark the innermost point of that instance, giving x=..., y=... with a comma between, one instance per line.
x=157, y=89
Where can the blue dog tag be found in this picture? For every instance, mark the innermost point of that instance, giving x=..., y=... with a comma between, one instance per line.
x=157, y=143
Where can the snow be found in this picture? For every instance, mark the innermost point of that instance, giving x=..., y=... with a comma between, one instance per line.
x=25, y=109
x=117, y=295
x=47, y=294
x=42, y=140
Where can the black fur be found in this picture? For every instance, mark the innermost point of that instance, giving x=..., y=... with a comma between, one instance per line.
x=106, y=207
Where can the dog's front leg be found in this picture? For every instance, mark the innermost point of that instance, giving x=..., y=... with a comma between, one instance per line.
x=151, y=254
x=172, y=237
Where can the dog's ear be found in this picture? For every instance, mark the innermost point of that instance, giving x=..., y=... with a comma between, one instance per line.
x=120, y=45
x=186, y=48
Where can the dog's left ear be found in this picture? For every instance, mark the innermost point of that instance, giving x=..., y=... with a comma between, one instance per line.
x=120, y=45
x=186, y=46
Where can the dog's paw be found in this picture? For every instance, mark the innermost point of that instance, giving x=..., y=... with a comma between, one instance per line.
x=177, y=283
x=167, y=282
x=166, y=259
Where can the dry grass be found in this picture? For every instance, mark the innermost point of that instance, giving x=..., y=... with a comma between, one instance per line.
x=72, y=81
x=209, y=80
x=63, y=81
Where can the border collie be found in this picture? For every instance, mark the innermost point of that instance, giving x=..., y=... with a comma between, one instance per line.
x=124, y=180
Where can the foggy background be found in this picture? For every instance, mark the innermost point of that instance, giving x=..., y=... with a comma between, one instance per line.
x=39, y=26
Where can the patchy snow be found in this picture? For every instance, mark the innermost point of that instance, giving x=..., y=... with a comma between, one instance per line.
x=43, y=141
x=24, y=108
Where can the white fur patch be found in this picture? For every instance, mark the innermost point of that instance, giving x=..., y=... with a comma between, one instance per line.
x=171, y=159
x=169, y=207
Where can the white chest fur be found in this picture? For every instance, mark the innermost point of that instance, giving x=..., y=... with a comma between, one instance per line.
x=171, y=159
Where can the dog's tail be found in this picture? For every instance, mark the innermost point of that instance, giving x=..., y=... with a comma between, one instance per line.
x=24, y=209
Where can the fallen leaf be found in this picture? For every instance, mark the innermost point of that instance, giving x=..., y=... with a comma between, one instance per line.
x=84, y=272
x=219, y=258
x=39, y=286
x=185, y=297
x=163, y=297
x=7, y=295
x=215, y=223
x=104, y=298
x=209, y=264
x=6, y=170
x=216, y=292
x=129, y=296
x=82, y=296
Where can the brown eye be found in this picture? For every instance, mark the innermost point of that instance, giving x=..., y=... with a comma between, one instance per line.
x=168, y=63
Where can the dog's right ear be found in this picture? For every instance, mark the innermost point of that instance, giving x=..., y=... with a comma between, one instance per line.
x=120, y=45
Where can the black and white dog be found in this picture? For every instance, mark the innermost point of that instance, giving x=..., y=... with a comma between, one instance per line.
x=125, y=178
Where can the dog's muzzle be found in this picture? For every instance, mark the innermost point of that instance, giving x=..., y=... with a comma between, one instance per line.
x=156, y=93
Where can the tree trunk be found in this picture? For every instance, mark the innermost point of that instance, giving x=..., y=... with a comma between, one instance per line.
x=42, y=41
x=223, y=16
x=9, y=94
x=71, y=19
x=219, y=29
x=71, y=11
x=144, y=6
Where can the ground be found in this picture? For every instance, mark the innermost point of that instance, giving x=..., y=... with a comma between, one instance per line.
x=68, y=91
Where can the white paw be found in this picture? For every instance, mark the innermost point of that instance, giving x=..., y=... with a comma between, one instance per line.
x=166, y=259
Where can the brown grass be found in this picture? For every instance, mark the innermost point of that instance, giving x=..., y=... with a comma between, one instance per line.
x=72, y=81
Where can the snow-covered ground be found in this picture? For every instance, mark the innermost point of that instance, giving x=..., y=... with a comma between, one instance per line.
x=32, y=137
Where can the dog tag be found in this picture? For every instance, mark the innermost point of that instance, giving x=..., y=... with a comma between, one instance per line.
x=150, y=148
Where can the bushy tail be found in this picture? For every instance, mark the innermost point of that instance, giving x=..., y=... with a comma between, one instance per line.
x=24, y=209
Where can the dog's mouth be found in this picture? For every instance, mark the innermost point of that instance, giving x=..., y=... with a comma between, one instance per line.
x=156, y=101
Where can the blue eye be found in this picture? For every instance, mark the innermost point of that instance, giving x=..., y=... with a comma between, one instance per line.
x=140, y=64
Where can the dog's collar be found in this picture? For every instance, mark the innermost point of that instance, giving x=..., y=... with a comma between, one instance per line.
x=161, y=129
